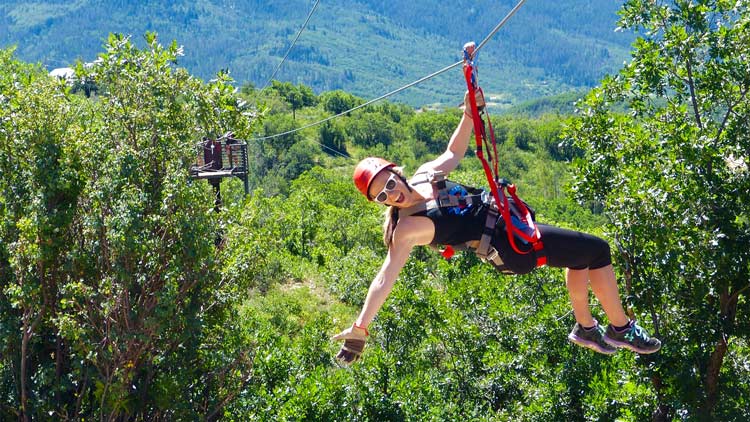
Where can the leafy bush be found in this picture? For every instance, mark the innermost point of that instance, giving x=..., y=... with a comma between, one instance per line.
x=110, y=282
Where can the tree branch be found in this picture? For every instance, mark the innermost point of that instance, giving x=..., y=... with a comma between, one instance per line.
x=693, y=99
x=735, y=296
x=243, y=358
x=730, y=110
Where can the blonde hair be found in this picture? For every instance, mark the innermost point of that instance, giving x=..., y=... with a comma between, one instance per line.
x=391, y=214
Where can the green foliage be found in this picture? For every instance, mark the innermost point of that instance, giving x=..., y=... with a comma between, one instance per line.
x=554, y=104
x=434, y=129
x=673, y=178
x=275, y=161
x=296, y=96
x=369, y=129
x=338, y=101
x=125, y=296
x=110, y=284
x=333, y=137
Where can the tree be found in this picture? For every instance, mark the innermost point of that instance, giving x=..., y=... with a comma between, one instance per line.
x=40, y=182
x=338, y=101
x=673, y=177
x=332, y=137
x=373, y=128
x=434, y=129
x=297, y=96
x=112, y=306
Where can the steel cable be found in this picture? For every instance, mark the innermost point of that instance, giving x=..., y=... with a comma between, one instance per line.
x=304, y=25
x=396, y=91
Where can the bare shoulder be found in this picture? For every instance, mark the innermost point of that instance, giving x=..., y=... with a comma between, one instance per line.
x=414, y=230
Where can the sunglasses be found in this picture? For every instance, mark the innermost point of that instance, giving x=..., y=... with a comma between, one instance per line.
x=389, y=186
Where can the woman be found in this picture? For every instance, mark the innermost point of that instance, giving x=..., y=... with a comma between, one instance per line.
x=586, y=258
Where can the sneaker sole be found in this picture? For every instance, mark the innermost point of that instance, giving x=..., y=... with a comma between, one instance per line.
x=590, y=345
x=615, y=343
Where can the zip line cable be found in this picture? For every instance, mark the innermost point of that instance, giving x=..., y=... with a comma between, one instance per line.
x=304, y=25
x=500, y=25
x=396, y=91
x=289, y=132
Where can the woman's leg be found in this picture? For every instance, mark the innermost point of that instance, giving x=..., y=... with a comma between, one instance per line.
x=577, y=282
x=588, y=261
x=586, y=332
x=604, y=286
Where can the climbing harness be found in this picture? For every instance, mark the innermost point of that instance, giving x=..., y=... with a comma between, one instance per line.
x=517, y=211
x=497, y=185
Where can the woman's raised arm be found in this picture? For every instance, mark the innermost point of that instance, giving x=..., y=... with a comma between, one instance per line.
x=459, y=142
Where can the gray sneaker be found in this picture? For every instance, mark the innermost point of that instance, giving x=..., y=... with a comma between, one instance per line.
x=592, y=339
x=634, y=338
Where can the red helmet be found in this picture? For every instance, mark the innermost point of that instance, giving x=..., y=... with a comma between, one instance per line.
x=366, y=171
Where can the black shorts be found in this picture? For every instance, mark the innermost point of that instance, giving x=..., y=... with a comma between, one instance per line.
x=564, y=249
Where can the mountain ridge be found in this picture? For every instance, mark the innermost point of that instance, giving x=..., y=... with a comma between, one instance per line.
x=366, y=47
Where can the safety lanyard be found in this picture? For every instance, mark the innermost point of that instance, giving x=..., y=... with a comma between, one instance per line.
x=483, y=142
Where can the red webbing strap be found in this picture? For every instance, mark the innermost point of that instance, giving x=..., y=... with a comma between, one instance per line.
x=479, y=130
x=481, y=139
x=535, y=239
x=494, y=144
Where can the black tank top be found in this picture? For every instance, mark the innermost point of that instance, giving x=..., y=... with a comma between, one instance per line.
x=457, y=225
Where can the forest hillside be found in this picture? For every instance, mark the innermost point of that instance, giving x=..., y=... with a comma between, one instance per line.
x=364, y=47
